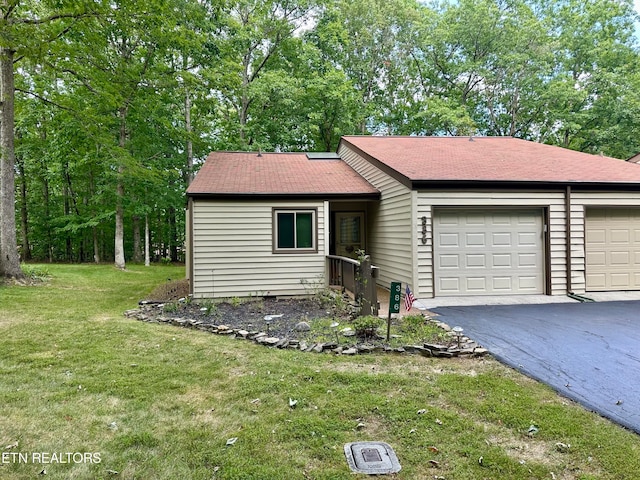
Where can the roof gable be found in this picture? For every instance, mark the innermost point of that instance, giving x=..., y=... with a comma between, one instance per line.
x=489, y=159
x=277, y=174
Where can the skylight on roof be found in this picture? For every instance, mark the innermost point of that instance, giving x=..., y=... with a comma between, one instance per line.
x=323, y=156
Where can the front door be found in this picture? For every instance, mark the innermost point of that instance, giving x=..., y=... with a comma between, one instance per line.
x=349, y=233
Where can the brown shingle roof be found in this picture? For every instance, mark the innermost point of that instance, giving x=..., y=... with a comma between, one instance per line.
x=499, y=159
x=246, y=173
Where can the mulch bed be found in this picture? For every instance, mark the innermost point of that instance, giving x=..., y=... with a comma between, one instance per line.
x=275, y=322
x=245, y=314
x=250, y=315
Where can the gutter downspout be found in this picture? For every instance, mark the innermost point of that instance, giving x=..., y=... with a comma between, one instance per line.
x=567, y=208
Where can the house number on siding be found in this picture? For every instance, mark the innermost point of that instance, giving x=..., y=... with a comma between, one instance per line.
x=424, y=230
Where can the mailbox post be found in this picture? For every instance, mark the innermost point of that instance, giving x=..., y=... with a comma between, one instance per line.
x=394, y=304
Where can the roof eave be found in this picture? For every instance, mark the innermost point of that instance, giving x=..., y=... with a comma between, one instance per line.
x=284, y=196
x=596, y=185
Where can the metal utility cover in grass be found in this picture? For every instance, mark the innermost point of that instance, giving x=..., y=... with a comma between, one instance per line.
x=373, y=458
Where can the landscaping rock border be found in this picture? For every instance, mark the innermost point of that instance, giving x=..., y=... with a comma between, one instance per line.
x=153, y=313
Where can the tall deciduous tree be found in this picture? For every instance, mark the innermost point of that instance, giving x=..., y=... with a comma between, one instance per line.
x=594, y=58
x=253, y=32
x=118, y=61
x=365, y=41
x=24, y=26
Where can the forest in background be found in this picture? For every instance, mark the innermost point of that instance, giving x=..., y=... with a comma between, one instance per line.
x=117, y=102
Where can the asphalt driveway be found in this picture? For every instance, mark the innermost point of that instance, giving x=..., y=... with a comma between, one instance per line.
x=589, y=352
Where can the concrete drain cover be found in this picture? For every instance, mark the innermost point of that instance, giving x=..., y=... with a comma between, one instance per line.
x=373, y=458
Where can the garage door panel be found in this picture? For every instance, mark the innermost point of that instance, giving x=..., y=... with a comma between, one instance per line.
x=470, y=220
x=528, y=283
x=620, y=280
x=502, y=252
x=500, y=220
x=619, y=236
x=596, y=236
x=449, y=261
x=527, y=260
x=476, y=260
x=449, y=240
x=596, y=281
x=476, y=284
x=501, y=260
x=619, y=259
x=448, y=220
x=502, y=239
x=526, y=220
x=527, y=239
x=612, y=248
x=475, y=240
x=502, y=284
x=449, y=285
x=596, y=259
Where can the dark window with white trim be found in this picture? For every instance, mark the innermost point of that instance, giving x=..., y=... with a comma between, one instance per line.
x=294, y=230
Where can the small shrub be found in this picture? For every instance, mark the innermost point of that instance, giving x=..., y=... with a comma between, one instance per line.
x=326, y=297
x=258, y=299
x=416, y=328
x=170, y=307
x=36, y=272
x=165, y=260
x=366, y=326
x=209, y=306
x=413, y=323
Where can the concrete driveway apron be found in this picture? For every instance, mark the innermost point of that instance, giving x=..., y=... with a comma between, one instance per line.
x=589, y=352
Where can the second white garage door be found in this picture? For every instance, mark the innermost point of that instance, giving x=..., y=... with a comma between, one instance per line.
x=613, y=249
x=488, y=252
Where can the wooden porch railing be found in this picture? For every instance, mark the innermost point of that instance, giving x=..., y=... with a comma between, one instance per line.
x=357, y=277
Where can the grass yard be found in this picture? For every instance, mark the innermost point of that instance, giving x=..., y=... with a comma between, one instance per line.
x=88, y=394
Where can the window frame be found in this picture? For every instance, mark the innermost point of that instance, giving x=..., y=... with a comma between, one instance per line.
x=295, y=211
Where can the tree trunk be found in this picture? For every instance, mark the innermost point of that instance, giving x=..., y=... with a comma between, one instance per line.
x=24, y=217
x=187, y=124
x=147, y=257
x=9, y=258
x=47, y=213
x=173, y=235
x=94, y=230
x=67, y=213
x=137, y=250
x=96, y=246
x=119, y=235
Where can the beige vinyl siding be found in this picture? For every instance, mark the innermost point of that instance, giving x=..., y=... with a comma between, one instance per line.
x=187, y=242
x=389, y=239
x=233, y=250
x=581, y=201
x=554, y=201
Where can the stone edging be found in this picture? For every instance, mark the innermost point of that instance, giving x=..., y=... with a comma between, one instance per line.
x=467, y=348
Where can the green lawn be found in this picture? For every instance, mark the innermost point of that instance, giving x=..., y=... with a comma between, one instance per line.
x=81, y=384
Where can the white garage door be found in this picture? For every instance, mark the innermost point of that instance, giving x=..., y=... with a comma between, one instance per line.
x=613, y=249
x=488, y=252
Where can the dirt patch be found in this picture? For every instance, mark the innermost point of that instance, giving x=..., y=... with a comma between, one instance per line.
x=170, y=291
x=277, y=316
